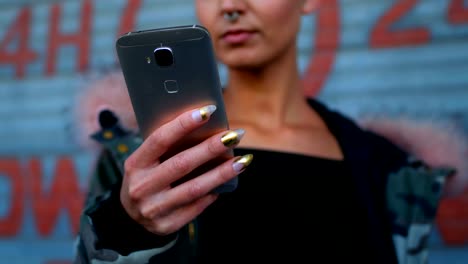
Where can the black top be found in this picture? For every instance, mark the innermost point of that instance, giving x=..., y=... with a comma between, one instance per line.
x=287, y=206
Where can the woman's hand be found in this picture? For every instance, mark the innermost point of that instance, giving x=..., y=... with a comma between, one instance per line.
x=147, y=194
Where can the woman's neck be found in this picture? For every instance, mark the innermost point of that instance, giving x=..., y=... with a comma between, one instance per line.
x=270, y=97
x=270, y=104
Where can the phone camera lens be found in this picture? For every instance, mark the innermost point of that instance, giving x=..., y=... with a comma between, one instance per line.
x=163, y=57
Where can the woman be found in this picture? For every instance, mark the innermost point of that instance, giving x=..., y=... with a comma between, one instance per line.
x=319, y=187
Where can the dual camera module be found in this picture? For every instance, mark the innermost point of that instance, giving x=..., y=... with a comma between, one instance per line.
x=163, y=57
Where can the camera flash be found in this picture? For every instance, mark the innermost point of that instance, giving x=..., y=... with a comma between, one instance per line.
x=148, y=60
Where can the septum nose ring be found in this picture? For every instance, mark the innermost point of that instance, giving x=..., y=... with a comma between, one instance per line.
x=231, y=16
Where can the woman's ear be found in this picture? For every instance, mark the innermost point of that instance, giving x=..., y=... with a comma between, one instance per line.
x=310, y=6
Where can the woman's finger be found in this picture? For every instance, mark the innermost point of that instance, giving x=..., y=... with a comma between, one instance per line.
x=197, y=187
x=205, y=183
x=185, y=162
x=167, y=135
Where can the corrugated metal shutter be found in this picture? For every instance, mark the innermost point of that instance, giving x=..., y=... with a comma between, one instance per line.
x=360, y=56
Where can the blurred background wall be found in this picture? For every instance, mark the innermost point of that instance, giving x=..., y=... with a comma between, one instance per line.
x=360, y=56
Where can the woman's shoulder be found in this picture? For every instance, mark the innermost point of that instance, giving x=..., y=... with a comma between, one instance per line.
x=335, y=120
x=349, y=131
x=401, y=140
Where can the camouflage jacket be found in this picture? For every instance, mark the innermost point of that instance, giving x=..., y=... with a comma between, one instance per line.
x=413, y=191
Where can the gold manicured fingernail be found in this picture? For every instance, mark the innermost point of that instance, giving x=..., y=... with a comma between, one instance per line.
x=203, y=113
x=232, y=138
x=242, y=162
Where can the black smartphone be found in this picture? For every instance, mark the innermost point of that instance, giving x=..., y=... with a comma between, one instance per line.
x=169, y=71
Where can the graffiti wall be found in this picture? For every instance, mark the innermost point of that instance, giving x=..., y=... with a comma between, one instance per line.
x=360, y=56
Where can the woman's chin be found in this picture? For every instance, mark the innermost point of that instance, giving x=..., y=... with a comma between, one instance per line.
x=243, y=62
x=244, y=66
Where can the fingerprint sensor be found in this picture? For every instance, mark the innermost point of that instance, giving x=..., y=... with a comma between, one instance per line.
x=171, y=86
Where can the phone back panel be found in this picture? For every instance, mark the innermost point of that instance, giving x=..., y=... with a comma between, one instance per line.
x=194, y=76
x=159, y=94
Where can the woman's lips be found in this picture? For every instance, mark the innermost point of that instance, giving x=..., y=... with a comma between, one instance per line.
x=237, y=37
